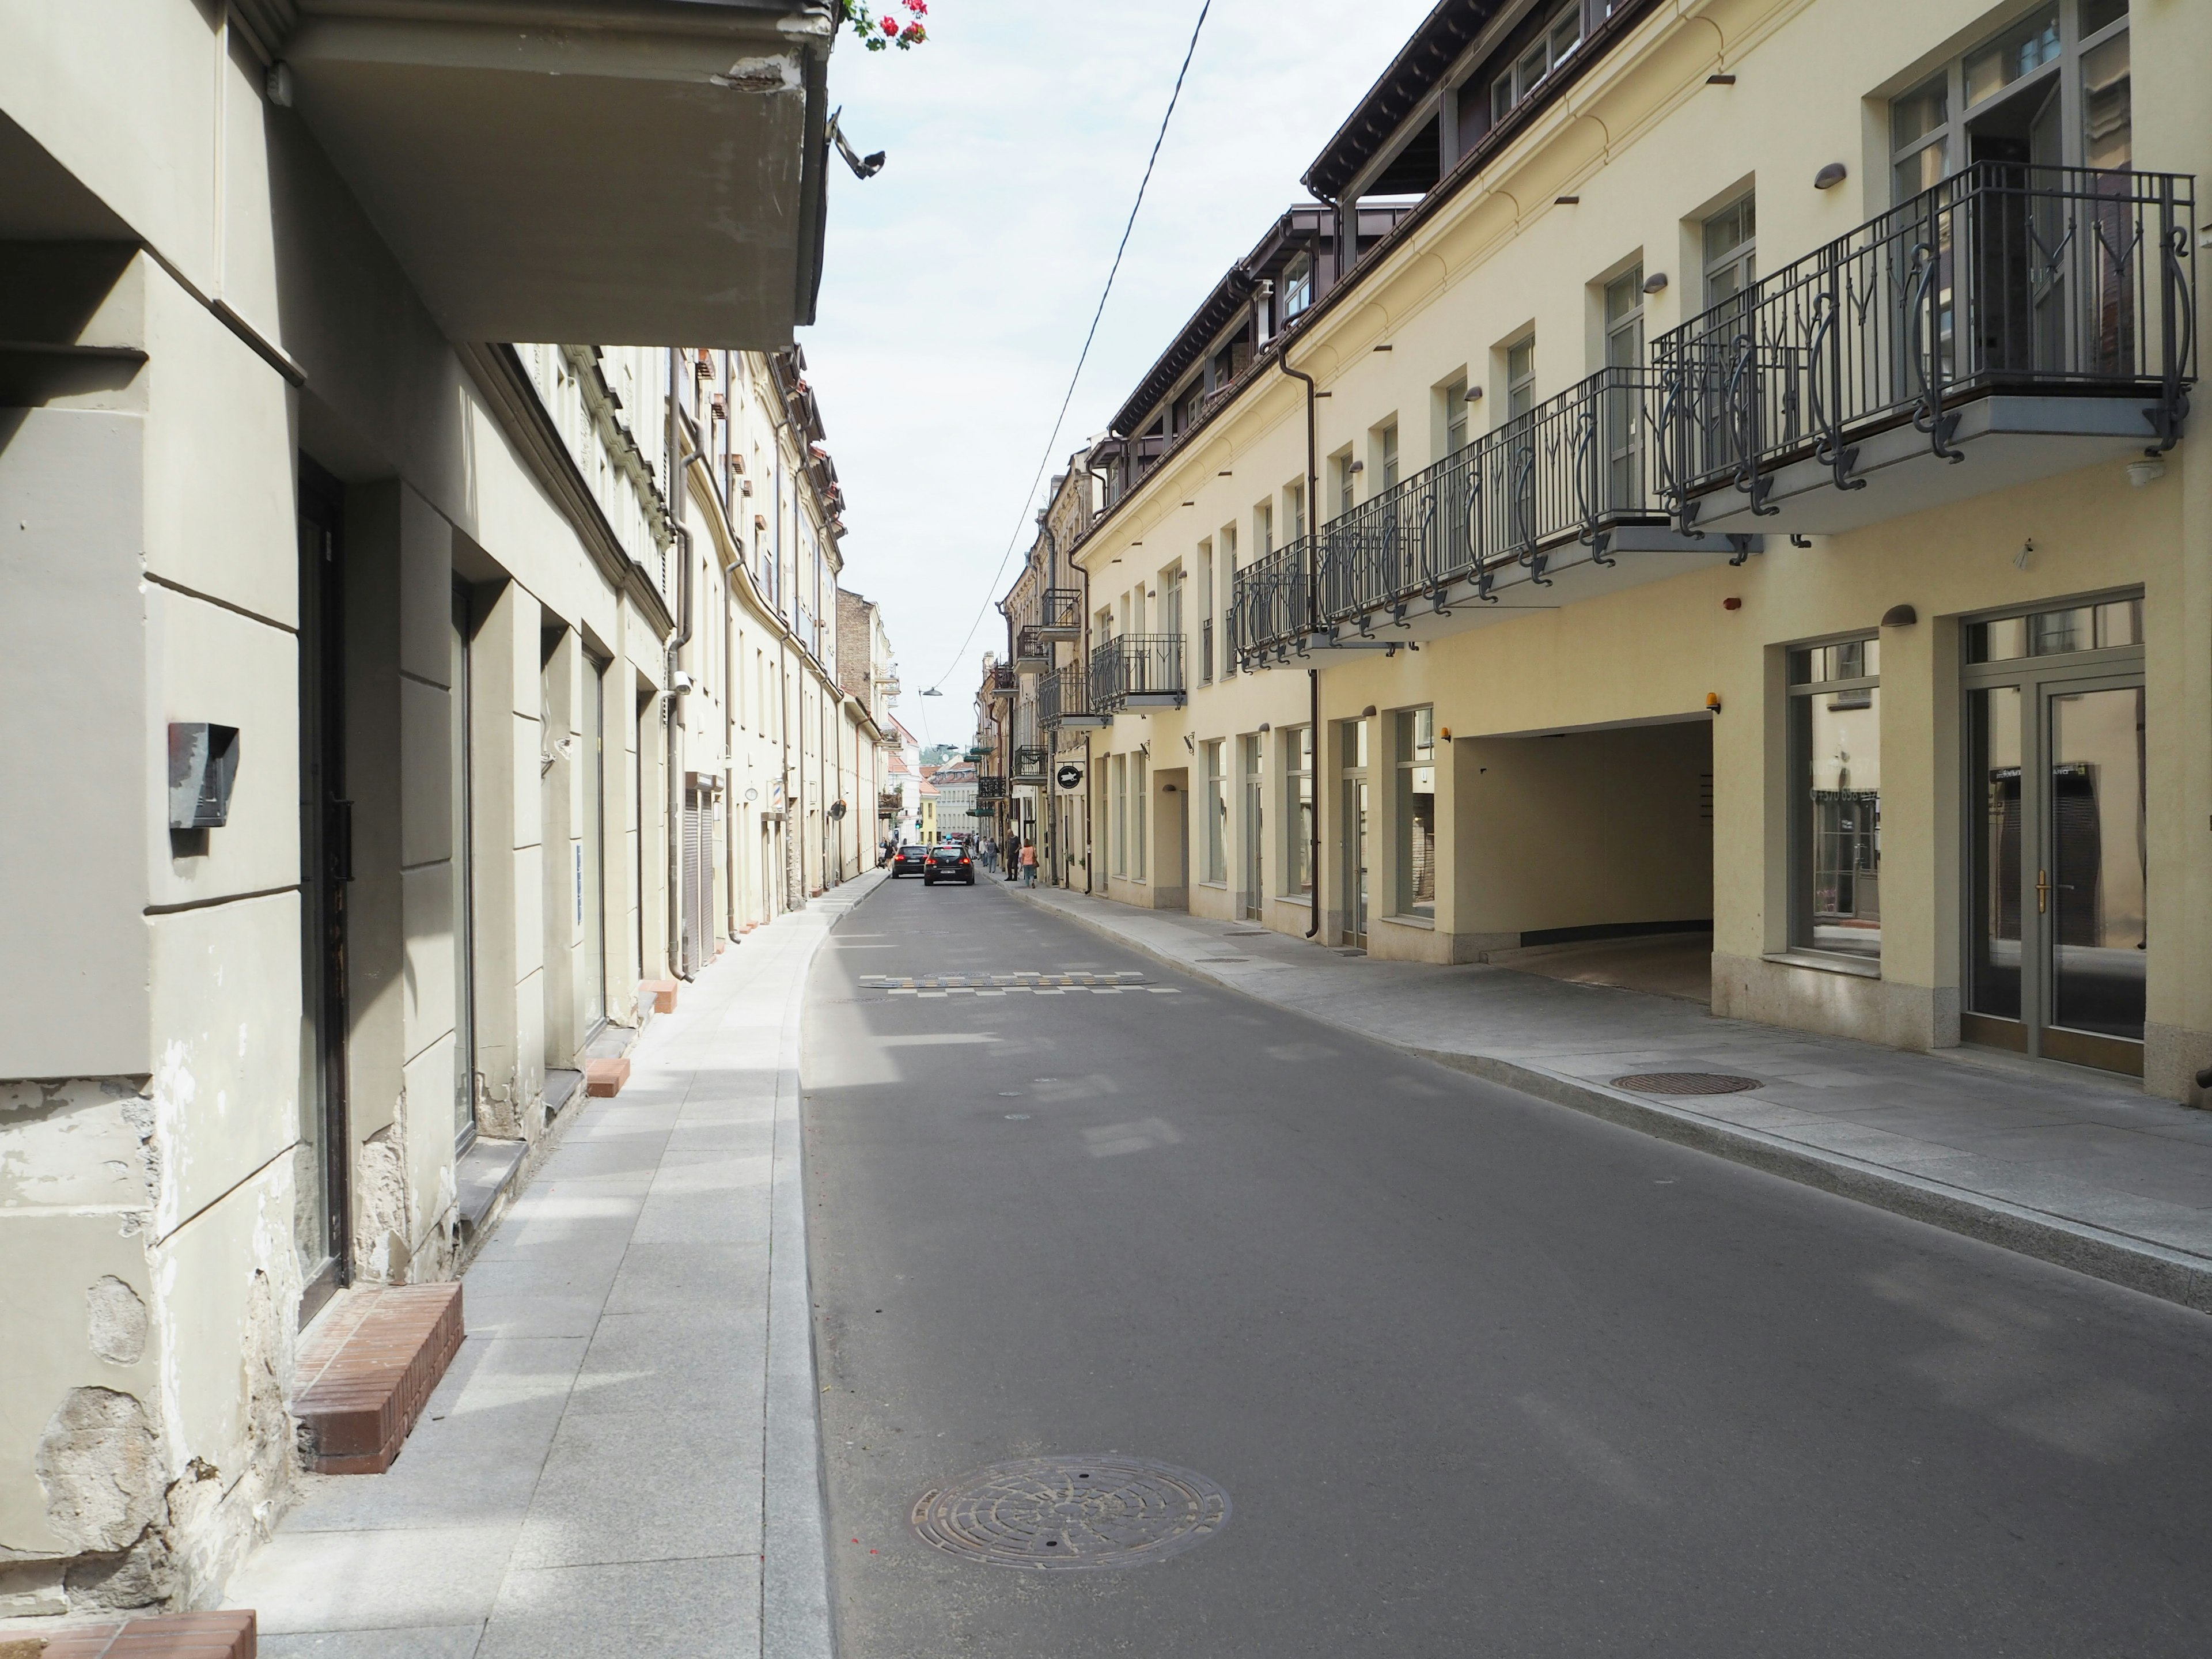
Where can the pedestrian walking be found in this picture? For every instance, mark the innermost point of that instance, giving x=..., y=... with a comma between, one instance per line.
x=1029, y=864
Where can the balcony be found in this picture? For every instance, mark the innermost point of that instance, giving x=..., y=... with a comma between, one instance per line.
x=1064, y=701
x=1137, y=671
x=1268, y=608
x=685, y=144
x=990, y=787
x=2010, y=324
x=1032, y=651
x=1060, y=614
x=1029, y=764
x=1000, y=680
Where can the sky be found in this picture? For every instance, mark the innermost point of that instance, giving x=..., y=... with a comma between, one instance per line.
x=958, y=282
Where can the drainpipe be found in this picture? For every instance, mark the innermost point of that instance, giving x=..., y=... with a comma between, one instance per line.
x=1051, y=799
x=676, y=471
x=1090, y=853
x=1313, y=609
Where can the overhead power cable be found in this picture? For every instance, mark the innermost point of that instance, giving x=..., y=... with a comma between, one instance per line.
x=1051, y=444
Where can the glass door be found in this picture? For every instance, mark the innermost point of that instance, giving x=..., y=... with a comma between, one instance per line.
x=2059, y=903
x=1356, y=806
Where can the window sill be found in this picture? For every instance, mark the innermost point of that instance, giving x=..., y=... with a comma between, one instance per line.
x=1821, y=961
x=1218, y=886
x=1301, y=900
x=1426, y=924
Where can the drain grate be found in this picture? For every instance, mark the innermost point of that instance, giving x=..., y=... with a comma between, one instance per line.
x=1073, y=1512
x=1686, y=1083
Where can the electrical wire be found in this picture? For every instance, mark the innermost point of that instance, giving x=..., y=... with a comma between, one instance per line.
x=1084, y=356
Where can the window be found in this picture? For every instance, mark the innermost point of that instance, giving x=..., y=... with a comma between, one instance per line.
x=1455, y=414
x=1339, y=468
x=1119, y=770
x=1386, y=446
x=2006, y=100
x=1263, y=528
x=1835, y=741
x=1562, y=33
x=1294, y=508
x=1228, y=599
x=2053, y=633
x=1520, y=378
x=1217, y=810
x=1417, y=812
x=1624, y=404
x=1299, y=750
x=1140, y=802
x=1205, y=613
x=1296, y=287
x=1730, y=240
x=1255, y=819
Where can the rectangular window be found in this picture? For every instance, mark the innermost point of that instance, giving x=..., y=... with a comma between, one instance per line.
x=1520, y=378
x=1255, y=824
x=1835, y=742
x=1561, y=34
x=1217, y=810
x=1298, y=752
x=1139, y=804
x=2053, y=633
x=1120, y=776
x=1228, y=599
x=1263, y=528
x=1205, y=613
x=1296, y=287
x=1417, y=812
x=1455, y=397
x=1294, y=508
x=1387, y=448
x=1341, y=475
x=1730, y=244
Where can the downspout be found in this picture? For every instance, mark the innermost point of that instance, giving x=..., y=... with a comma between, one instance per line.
x=1090, y=853
x=676, y=487
x=1313, y=609
x=1051, y=800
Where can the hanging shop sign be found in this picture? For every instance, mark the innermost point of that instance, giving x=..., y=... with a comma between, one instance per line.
x=1069, y=777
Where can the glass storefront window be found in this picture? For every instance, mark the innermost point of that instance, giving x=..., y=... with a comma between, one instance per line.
x=1417, y=812
x=2101, y=627
x=1835, y=732
x=1298, y=863
x=1217, y=810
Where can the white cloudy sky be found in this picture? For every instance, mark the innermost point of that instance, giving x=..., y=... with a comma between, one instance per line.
x=959, y=281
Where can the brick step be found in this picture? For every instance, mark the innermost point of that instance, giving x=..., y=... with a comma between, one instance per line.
x=167, y=1636
x=368, y=1371
x=603, y=1078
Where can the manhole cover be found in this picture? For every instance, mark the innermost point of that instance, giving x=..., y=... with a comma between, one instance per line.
x=1073, y=1512
x=1686, y=1083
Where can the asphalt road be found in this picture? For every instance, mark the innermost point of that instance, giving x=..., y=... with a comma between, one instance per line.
x=1481, y=1375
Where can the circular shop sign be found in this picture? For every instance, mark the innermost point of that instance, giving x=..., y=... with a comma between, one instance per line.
x=1069, y=777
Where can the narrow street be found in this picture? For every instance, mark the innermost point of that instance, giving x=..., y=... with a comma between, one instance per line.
x=1477, y=1374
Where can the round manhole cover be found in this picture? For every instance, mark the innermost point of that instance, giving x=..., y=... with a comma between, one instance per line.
x=1686, y=1083
x=1073, y=1512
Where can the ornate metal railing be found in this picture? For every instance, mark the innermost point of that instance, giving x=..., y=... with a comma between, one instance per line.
x=2002, y=277
x=1063, y=694
x=1029, y=763
x=1135, y=665
x=1059, y=612
x=1032, y=644
x=1268, y=605
x=1000, y=680
x=1572, y=469
x=990, y=787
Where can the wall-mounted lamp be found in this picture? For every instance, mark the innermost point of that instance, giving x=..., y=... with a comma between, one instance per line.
x=1474, y=394
x=1385, y=348
x=1357, y=466
x=1829, y=176
x=1445, y=732
x=1712, y=702
x=1367, y=713
x=1264, y=726
x=1566, y=201
x=1723, y=79
x=1655, y=282
x=1899, y=616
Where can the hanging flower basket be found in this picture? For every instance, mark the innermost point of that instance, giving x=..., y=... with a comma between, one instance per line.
x=879, y=33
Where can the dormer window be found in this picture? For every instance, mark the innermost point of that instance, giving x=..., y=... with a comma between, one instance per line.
x=1551, y=48
x=1298, y=286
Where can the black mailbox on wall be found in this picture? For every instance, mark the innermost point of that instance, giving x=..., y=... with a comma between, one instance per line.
x=203, y=766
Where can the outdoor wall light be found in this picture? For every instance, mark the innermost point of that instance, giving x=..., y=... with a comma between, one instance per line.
x=1264, y=726
x=1723, y=79
x=1829, y=176
x=1367, y=713
x=1899, y=616
x=1445, y=732
x=1712, y=702
x=1655, y=282
x=1566, y=201
x=1357, y=466
x=1474, y=394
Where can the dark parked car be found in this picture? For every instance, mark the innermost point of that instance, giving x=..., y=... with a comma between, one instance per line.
x=911, y=861
x=950, y=862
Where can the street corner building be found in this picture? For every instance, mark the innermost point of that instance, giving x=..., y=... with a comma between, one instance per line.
x=399, y=711
x=1716, y=475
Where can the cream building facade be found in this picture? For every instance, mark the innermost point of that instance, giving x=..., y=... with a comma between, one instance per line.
x=349, y=748
x=1744, y=447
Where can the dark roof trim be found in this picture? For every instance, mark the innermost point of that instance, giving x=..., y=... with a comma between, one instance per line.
x=1190, y=345
x=1414, y=74
x=1594, y=47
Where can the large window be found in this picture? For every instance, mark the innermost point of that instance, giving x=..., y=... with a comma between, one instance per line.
x=1256, y=822
x=1205, y=613
x=1455, y=414
x=2050, y=89
x=1296, y=287
x=1520, y=377
x=1624, y=403
x=1386, y=456
x=1228, y=599
x=1119, y=770
x=1299, y=750
x=1562, y=34
x=1417, y=812
x=1835, y=741
x=1217, y=810
x=1294, y=508
x=1140, y=802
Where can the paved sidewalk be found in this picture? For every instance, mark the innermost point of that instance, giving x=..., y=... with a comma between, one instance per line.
x=625, y=1456
x=2046, y=1160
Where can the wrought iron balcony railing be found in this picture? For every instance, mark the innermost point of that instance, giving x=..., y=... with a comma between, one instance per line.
x=1267, y=606
x=1141, y=670
x=2004, y=278
x=1032, y=650
x=1063, y=700
x=1573, y=469
x=990, y=787
x=1002, y=681
x=1059, y=613
x=1029, y=763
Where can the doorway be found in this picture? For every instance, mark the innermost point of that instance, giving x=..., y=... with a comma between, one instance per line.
x=2058, y=912
x=1356, y=803
x=1255, y=830
x=462, y=880
x=322, y=1227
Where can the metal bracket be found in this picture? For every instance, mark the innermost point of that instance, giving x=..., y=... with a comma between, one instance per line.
x=1742, y=542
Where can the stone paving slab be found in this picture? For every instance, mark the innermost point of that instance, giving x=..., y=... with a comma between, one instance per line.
x=2051, y=1161
x=624, y=1457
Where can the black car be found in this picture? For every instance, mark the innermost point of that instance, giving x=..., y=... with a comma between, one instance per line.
x=950, y=862
x=911, y=861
